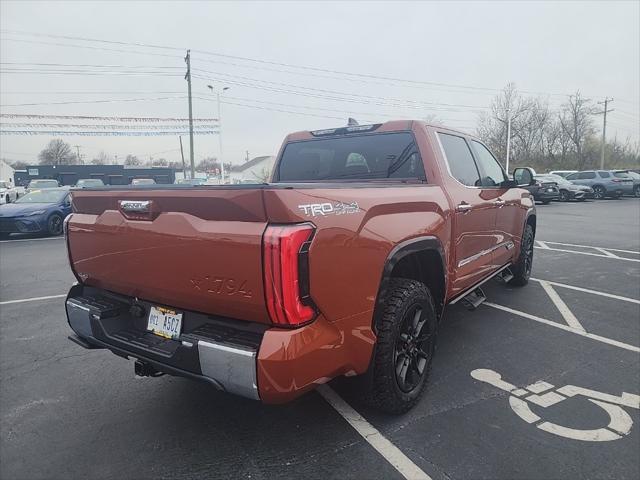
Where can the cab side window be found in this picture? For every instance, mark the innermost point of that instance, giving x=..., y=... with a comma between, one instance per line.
x=461, y=163
x=492, y=173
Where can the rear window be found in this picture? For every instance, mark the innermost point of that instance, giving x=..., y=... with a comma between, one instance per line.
x=621, y=175
x=354, y=157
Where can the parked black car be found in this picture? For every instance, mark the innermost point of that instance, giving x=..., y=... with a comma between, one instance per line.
x=567, y=190
x=543, y=191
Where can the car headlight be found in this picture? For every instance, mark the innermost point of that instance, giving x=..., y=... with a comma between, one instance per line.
x=35, y=212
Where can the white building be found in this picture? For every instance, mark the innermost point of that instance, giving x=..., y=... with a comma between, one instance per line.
x=256, y=170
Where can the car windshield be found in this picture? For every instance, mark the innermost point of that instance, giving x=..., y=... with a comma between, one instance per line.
x=90, y=182
x=43, y=196
x=43, y=184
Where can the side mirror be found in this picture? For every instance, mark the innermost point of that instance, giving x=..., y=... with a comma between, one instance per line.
x=523, y=177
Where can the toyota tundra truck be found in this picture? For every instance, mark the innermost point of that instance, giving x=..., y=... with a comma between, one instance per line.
x=341, y=265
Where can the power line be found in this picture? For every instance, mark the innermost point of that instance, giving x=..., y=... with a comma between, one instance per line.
x=267, y=62
x=92, y=101
x=119, y=119
x=103, y=126
x=68, y=133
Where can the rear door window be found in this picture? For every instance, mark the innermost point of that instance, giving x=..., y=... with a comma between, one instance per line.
x=461, y=164
x=353, y=157
x=586, y=175
x=604, y=174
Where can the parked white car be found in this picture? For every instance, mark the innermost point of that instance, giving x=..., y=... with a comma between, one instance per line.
x=8, y=192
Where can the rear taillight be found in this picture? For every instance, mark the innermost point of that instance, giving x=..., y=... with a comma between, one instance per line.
x=286, y=274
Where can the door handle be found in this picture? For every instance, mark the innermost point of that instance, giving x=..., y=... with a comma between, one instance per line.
x=464, y=207
x=499, y=203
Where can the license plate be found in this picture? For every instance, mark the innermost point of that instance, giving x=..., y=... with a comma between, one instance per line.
x=165, y=322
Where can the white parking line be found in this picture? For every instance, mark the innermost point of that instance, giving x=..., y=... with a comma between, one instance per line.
x=587, y=290
x=32, y=299
x=635, y=252
x=547, y=248
x=568, y=316
x=31, y=239
x=384, y=447
x=561, y=326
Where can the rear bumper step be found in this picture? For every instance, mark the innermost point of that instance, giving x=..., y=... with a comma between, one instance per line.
x=210, y=349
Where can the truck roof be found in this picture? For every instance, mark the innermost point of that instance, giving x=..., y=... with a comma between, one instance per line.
x=390, y=126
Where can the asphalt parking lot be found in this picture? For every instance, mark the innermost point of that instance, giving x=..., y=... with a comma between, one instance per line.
x=529, y=386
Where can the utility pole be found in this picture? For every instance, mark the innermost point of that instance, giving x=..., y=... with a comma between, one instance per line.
x=508, y=138
x=246, y=158
x=184, y=169
x=604, y=129
x=188, y=79
x=78, y=150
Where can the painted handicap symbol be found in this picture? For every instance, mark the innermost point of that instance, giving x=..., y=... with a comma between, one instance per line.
x=545, y=395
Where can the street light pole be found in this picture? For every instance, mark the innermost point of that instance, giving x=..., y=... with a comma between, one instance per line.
x=218, y=93
x=508, y=138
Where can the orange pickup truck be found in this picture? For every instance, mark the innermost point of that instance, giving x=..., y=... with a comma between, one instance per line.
x=341, y=266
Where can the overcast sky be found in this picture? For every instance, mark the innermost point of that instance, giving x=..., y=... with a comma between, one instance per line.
x=449, y=59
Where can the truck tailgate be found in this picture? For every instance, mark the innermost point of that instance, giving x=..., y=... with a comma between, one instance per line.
x=192, y=248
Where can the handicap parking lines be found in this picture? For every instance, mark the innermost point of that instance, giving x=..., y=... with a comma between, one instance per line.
x=620, y=421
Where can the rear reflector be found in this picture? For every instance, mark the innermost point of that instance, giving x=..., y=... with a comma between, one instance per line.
x=286, y=274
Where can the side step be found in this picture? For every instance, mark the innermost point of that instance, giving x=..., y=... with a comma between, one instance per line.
x=504, y=276
x=473, y=300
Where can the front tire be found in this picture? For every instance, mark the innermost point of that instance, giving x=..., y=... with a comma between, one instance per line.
x=522, y=268
x=7, y=199
x=636, y=191
x=564, y=196
x=407, y=333
x=55, y=225
x=546, y=202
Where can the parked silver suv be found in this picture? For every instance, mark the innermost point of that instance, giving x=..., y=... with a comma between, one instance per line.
x=603, y=182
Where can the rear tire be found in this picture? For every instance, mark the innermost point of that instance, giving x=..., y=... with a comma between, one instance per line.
x=522, y=268
x=7, y=199
x=636, y=191
x=599, y=192
x=407, y=334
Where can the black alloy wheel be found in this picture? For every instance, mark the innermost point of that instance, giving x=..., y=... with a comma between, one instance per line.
x=521, y=269
x=599, y=192
x=54, y=224
x=414, y=348
x=564, y=196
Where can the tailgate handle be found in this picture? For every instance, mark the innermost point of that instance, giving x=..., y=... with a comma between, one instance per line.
x=135, y=206
x=137, y=209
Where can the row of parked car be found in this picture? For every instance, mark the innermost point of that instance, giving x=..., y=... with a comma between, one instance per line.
x=565, y=185
x=43, y=207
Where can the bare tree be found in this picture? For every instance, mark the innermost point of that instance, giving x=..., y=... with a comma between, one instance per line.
x=576, y=121
x=57, y=152
x=208, y=164
x=132, y=161
x=101, y=159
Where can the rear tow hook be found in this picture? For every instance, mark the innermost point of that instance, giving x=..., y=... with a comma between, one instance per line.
x=144, y=369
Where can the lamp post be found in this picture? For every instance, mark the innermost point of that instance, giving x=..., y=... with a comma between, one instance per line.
x=218, y=93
